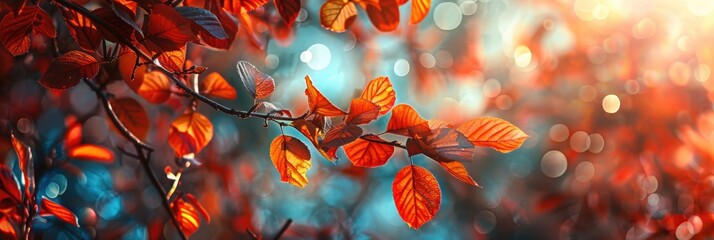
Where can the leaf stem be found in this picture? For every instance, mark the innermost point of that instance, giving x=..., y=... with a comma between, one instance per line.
x=392, y=143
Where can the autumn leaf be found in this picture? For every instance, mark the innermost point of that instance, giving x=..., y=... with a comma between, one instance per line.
x=380, y=92
x=73, y=135
x=7, y=231
x=420, y=8
x=166, y=29
x=416, y=194
x=291, y=158
x=458, y=170
x=173, y=60
x=404, y=118
x=340, y=135
x=365, y=153
x=313, y=133
x=186, y=215
x=193, y=200
x=91, y=152
x=50, y=208
x=362, y=112
x=189, y=133
x=229, y=27
x=14, y=29
x=239, y=7
x=319, y=103
x=258, y=84
x=155, y=87
x=119, y=27
x=82, y=30
x=385, y=15
x=288, y=10
x=493, y=132
x=10, y=187
x=132, y=115
x=337, y=15
x=203, y=21
x=215, y=85
x=445, y=145
x=127, y=62
x=23, y=154
x=68, y=69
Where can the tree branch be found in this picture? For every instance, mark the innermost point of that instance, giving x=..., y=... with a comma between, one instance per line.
x=392, y=143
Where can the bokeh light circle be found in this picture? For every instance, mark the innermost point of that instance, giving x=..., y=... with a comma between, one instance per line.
x=444, y=16
x=553, y=164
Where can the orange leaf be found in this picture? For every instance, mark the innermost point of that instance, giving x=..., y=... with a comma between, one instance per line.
x=403, y=118
x=380, y=91
x=420, y=8
x=23, y=153
x=458, y=170
x=291, y=158
x=6, y=229
x=132, y=114
x=82, y=30
x=215, y=85
x=186, y=215
x=384, y=16
x=416, y=194
x=198, y=205
x=446, y=145
x=337, y=15
x=126, y=67
x=362, y=112
x=166, y=29
x=91, y=152
x=173, y=60
x=258, y=84
x=50, y=208
x=67, y=70
x=189, y=133
x=340, y=135
x=288, y=10
x=313, y=133
x=155, y=87
x=493, y=132
x=319, y=103
x=364, y=153
x=73, y=136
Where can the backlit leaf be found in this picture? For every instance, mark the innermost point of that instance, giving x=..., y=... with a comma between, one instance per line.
x=362, y=112
x=446, y=145
x=132, y=115
x=6, y=229
x=229, y=27
x=119, y=26
x=258, y=84
x=10, y=187
x=420, y=8
x=458, y=170
x=73, y=136
x=192, y=199
x=14, y=29
x=340, y=135
x=319, y=103
x=384, y=16
x=403, y=118
x=493, y=132
x=173, y=60
x=337, y=15
x=291, y=158
x=68, y=69
x=380, y=91
x=189, y=133
x=364, y=153
x=166, y=29
x=313, y=132
x=155, y=87
x=50, y=208
x=203, y=20
x=82, y=30
x=91, y=152
x=416, y=194
x=23, y=153
x=215, y=85
x=288, y=10
x=186, y=215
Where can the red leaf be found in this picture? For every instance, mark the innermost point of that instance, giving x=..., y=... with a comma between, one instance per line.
x=67, y=70
x=119, y=26
x=291, y=158
x=239, y=7
x=340, y=135
x=166, y=29
x=258, y=84
x=493, y=132
x=384, y=16
x=203, y=21
x=319, y=103
x=155, y=87
x=446, y=145
x=198, y=205
x=380, y=91
x=403, y=118
x=91, y=152
x=420, y=8
x=337, y=15
x=173, y=60
x=310, y=130
x=189, y=133
x=364, y=153
x=215, y=85
x=416, y=194
x=229, y=27
x=133, y=115
x=14, y=29
x=362, y=112
x=186, y=215
x=23, y=155
x=10, y=188
x=50, y=208
x=82, y=30
x=288, y=10
x=7, y=230
x=458, y=170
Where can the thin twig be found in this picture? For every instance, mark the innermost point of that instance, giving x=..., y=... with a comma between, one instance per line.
x=392, y=143
x=283, y=229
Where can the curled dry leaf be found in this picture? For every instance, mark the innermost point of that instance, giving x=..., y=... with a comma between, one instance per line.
x=215, y=85
x=319, y=103
x=384, y=14
x=291, y=158
x=258, y=84
x=380, y=92
x=189, y=133
x=50, y=208
x=68, y=69
x=493, y=132
x=91, y=152
x=364, y=153
x=416, y=194
x=132, y=115
x=337, y=15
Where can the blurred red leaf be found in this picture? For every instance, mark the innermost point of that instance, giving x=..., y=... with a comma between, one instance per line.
x=6, y=229
x=68, y=69
x=384, y=14
x=364, y=153
x=420, y=8
x=186, y=215
x=189, y=133
x=337, y=15
x=10, y=187
x=50, y=208
x=288, y=10
x=198, y=205
x=215, y=85
x=291, y=158
x=416, y=194
x=155, y=87
x=133, y=115
x=91, y=152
